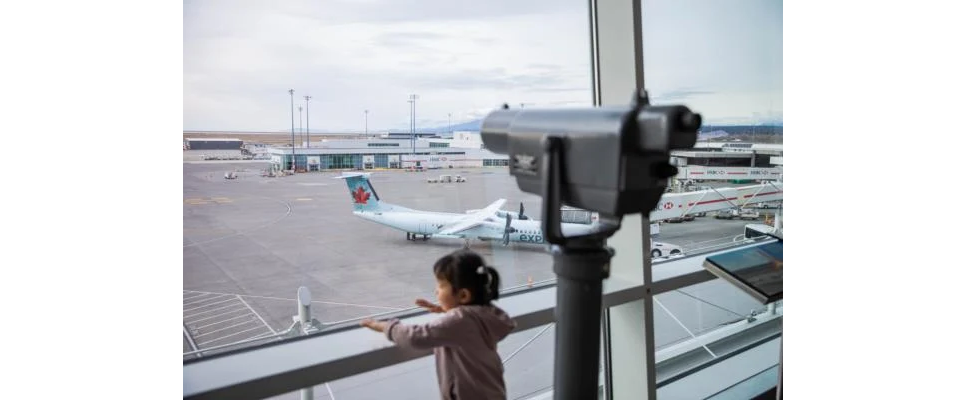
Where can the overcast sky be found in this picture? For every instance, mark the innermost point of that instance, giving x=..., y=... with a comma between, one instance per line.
x=723, y=58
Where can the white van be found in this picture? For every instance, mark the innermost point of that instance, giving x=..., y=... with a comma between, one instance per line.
x=749, y=213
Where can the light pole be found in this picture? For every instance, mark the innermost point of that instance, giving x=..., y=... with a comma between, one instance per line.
x=300, y=108
x=410, y=101
x=307, y=98
x=366, y=132
x=449, y=125
x=413, y=121
x=293, y=140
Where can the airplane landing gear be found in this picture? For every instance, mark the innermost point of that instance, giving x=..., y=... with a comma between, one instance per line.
x=413, y=236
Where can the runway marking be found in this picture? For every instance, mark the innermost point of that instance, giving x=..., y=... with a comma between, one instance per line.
x=224, y=337
x=215, y=316
x=202, y=300
x=200, y=201
x=315, y=301
x=194, y=297
x=255, y=313
x=204, y=312
x=220, y=322
x=206, y=305
x=304, y=199
x=223, y=329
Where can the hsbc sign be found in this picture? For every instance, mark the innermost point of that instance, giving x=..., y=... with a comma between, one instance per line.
x=694, y=172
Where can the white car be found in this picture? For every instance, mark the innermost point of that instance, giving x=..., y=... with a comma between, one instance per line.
x=658, y=249
x=749, y=213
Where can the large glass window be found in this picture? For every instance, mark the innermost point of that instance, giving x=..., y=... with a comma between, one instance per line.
x=326, y=74
x=730, y=70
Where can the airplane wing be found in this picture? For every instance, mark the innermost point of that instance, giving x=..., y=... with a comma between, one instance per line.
x=474, y=219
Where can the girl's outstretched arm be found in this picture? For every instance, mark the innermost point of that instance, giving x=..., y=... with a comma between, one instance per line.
x=448, y=330
x=424, y=303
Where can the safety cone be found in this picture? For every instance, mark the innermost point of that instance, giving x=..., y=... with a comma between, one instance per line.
x=529, y=281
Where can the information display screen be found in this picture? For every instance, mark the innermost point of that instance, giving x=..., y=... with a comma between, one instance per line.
x=757, y=270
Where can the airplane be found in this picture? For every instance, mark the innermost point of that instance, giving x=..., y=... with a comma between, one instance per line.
x=487, y=224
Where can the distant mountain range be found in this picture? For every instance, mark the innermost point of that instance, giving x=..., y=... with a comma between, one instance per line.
x=706, y=130
x=470, y=126
x=716, y=130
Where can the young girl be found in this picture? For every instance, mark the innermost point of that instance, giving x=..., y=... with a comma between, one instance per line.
x=465, y=338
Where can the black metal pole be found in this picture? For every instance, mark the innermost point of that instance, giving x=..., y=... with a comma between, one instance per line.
x=293, y=140
x=307, y=98
x=580, y=273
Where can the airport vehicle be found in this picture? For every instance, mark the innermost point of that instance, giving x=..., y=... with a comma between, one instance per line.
x=446, y=179
x=659, y=249
x=484, y=224
x=727, y=214
x=749, y=213
x=230, y=175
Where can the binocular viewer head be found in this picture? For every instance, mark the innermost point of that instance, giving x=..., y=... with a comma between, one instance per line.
x=614, y=160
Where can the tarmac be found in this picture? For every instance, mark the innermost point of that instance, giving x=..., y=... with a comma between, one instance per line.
x=249, y=244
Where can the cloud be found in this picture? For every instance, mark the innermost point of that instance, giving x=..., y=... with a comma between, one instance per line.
x=414, y=40
x=677, y=95
x=495, y=78
x=241, y=56
x=403, y=11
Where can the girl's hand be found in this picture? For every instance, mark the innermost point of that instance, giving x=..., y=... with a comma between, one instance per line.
x=378, y=326
x=428, y=305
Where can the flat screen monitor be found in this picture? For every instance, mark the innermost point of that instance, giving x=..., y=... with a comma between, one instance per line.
x=757, y=270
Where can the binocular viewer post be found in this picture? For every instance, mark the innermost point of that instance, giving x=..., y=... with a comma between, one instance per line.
x=611, y=160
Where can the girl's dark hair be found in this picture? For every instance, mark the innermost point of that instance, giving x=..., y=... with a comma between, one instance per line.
x=465, y=269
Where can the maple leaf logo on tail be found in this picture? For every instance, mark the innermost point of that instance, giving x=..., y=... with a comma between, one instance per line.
x=361, y=196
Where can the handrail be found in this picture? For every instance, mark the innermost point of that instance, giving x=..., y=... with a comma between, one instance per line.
x=310, y=360
x=328, y=326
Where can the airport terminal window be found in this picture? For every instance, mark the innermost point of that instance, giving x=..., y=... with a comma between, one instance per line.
x=732, y=74
x=252, y=239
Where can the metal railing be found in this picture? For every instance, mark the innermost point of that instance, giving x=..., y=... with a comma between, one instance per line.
x=319, y=327
x=337, y=353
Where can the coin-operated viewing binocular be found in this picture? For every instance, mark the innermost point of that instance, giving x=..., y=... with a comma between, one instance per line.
x=612, y=160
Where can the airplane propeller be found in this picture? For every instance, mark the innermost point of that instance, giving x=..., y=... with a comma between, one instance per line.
x=507, y=230
x=520, y=215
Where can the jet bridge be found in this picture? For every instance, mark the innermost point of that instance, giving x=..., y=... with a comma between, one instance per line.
x=674, y=205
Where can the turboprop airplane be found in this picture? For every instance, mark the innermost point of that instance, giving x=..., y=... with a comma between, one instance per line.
x=489, y=223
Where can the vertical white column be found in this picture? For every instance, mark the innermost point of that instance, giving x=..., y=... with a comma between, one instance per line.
x=618, y=72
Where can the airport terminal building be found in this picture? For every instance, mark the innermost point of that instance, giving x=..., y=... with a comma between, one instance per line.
x=464, y=150
x=736, y=162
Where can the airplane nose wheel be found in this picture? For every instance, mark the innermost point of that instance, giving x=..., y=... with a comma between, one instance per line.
x=413, y=236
